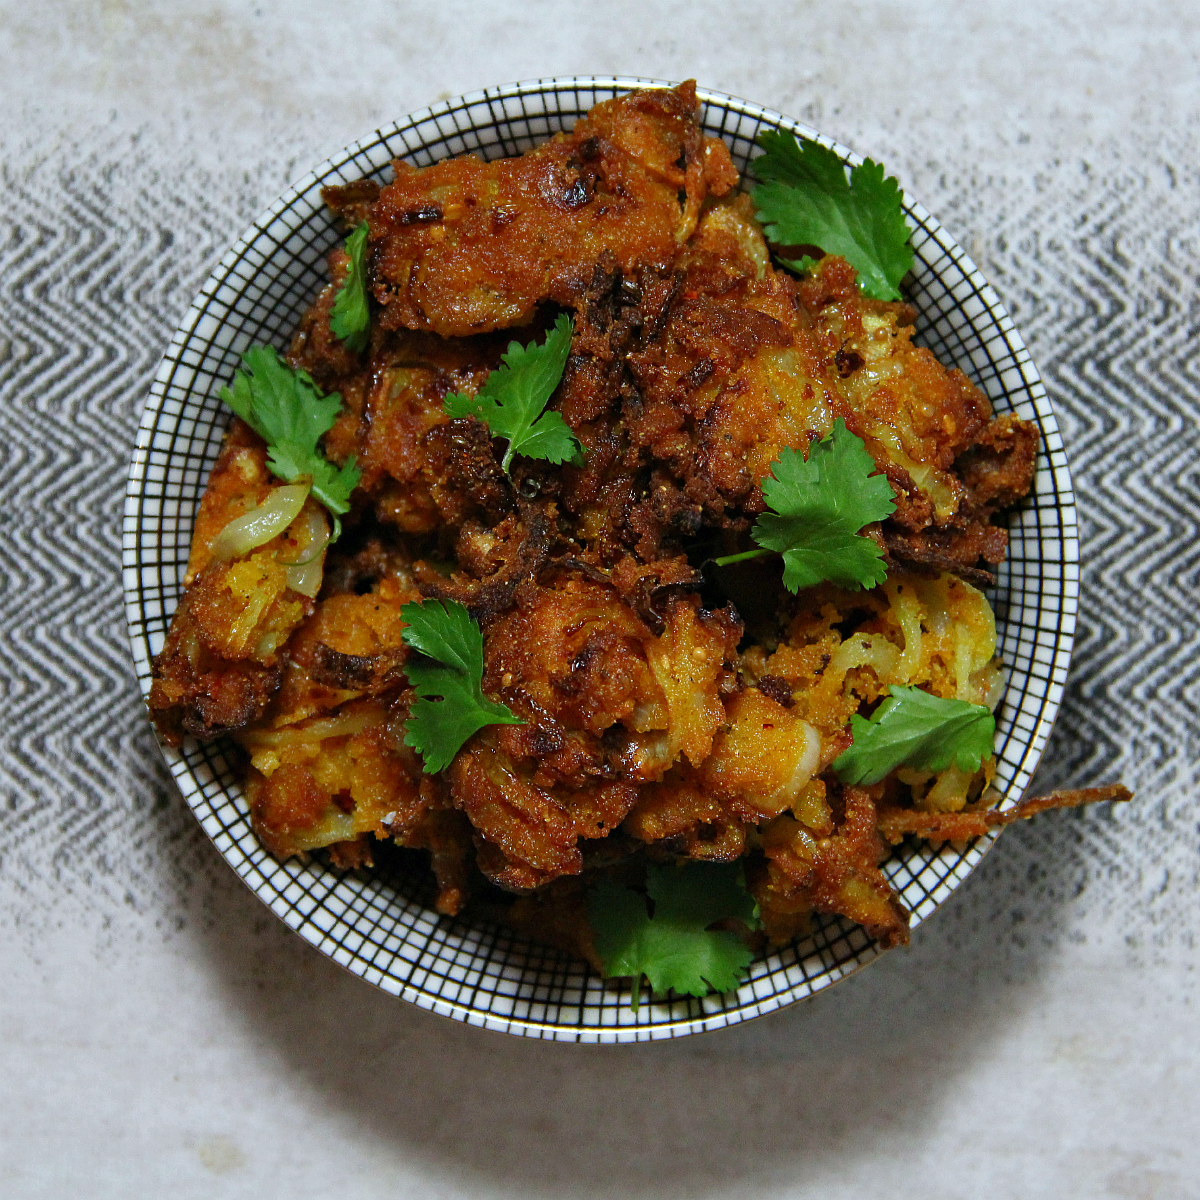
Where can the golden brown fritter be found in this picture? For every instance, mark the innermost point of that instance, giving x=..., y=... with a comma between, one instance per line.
x=466, y=246
x=657, y=722
x=331, y=778
x=836, y=872
x=608, y=703
x=221, y=662
x=350, y=647
x=684, y=386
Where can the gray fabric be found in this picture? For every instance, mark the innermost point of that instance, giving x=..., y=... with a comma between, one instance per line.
x=103, y=247
x=116, y=208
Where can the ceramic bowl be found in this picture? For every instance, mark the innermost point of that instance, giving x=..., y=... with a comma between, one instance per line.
x=381, y=925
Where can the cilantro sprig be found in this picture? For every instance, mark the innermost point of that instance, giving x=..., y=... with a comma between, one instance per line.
x=350, y=317
x=912, y=728
x=819, y=505
x=804, y=199
x=511, y=402
x=291, y=414
x=673, y=947
x=451, y=705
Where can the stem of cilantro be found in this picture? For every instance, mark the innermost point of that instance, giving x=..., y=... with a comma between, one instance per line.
x=637, y=991
x=745, y=554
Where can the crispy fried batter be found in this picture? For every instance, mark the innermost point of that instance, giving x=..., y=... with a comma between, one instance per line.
x=328, y=779
x=350, y=647
x=707, y=372
x=679, y=814
x=494, y=562
x=656, y=723
x=997, y=467
x=527, y=836
x=448, y=836
x=608, y=704
x=467, y=246
x=764, y=757
x=838, y=873
x=220, y=664
x=896, y=823
x=197, y=694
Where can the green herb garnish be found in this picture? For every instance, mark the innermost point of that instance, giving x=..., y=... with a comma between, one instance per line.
x=290, y=413
x=820, y=505
x=674, y=948
x=350, y=317
x=915, y=729
x=443, y=631
x=804, y=199
x=512, y=400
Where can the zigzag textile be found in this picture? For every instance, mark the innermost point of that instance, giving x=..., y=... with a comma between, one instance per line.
x=102, y=248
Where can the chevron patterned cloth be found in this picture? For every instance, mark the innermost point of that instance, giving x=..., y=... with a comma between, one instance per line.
x=103, y=246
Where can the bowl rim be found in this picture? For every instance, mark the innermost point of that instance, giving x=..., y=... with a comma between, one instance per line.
x=201, y=788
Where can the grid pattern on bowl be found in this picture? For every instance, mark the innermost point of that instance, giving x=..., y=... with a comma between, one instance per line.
x=380, y=925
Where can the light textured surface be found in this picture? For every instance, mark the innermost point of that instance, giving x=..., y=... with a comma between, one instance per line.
x=162, y=1030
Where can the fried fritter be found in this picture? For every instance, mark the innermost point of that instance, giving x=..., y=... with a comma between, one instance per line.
x=657, y=723
x=608, y=703
x=729, y=361
x=835, y=873
x=328, y=779
x=221, y=662
x=466, y=246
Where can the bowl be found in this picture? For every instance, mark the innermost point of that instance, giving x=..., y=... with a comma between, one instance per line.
x=381, y=924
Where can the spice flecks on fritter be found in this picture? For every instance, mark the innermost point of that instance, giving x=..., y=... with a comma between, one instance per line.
x=224, y=652
x=608, y=704
x=466, y=246
x=727, y=362
x=662, y=717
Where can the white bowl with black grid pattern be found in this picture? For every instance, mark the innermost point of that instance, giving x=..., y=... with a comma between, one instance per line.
x=380, y=925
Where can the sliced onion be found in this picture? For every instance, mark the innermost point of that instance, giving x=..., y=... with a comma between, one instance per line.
x=243, y=534
x=305, y=573
x=345, y=724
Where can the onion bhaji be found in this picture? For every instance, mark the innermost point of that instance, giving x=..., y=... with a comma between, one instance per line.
x=662, y=716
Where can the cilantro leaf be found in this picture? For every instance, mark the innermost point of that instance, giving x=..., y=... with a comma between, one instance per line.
x=674, y=948
x=444, y=632
x=290, y=413
x=915, y=729
x=350, y=317
x=805, y=200
x=512, y=400
x=820, y=504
